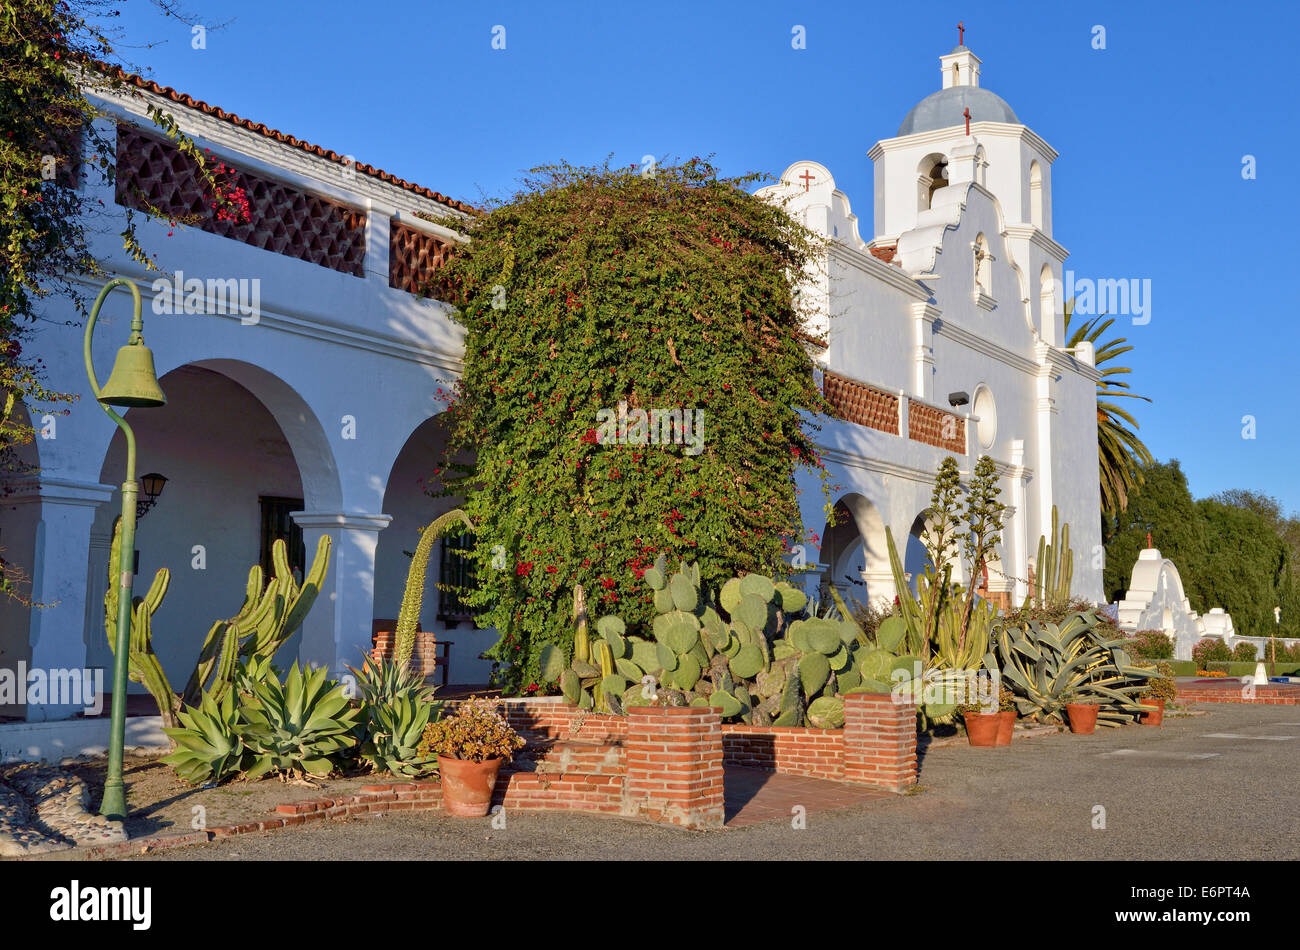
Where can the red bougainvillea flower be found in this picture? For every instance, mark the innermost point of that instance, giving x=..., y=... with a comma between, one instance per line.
x=523, y=568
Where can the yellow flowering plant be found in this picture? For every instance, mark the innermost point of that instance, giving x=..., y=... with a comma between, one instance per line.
x=475, y=732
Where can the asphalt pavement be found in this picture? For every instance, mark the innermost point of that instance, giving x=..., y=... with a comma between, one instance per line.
x=1222, y=785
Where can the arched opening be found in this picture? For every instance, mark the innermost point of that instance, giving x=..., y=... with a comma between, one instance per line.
x=1036, y=194
x=1047, y=304
x=983, y=266
x=854, y=556
x=981, y=166
x=932, y=174
x=233, y=479
x=412, y=498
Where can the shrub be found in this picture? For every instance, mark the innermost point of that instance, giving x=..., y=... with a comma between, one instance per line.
x=1150, y=645
x=476, y=732
x=1210, y=650
x=1245, y=652
x=1162, y=685
x=594, y=297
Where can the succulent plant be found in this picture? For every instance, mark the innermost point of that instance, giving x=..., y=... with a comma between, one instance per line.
x=1047, y=665
x=1053, y=569
x=272, y=611
x=209, y=747
x=298, y=726
x=408, y=617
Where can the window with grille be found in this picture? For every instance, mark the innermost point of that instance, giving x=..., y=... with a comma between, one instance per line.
x=277, y=524
x=456, y=577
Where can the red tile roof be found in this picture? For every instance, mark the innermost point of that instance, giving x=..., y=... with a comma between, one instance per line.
x=117, y=73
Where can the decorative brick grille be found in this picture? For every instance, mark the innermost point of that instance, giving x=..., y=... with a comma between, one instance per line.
x=281, y=218
x=936, y=427
x=860, y=403
x=414, y=258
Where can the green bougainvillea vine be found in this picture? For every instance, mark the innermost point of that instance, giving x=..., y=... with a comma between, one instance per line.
x=591, y=297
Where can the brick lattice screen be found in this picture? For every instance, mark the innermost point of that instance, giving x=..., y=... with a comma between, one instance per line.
x=936, y=427
x=414, y=258
x=860, y=403
x=281, y=218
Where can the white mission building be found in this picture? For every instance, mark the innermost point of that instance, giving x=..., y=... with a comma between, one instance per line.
x=315, y=409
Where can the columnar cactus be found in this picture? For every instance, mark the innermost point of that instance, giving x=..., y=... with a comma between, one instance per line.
x=142, y=663
x=1054, y=568
x=268, y=617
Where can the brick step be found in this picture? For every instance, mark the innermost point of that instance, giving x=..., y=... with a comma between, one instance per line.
x=583, y=791
x=572, y=755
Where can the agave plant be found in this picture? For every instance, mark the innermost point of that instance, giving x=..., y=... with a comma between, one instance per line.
x=1047, y=665
x=393, y=732
x=209, y=747
x=299, y=725
x=396, y=707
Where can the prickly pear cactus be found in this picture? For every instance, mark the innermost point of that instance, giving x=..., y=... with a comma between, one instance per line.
x=756, y=651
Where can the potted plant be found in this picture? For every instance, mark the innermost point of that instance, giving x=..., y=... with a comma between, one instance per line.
x=1160, y=690
x=981, y=727
x=1081, y=715
x=1006, y=715
x=470, y=744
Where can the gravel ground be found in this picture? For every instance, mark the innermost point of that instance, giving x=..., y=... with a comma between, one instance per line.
x=1168, y=793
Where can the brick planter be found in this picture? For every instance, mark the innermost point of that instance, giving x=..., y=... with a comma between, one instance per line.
x=674, y=766
x=879, y=741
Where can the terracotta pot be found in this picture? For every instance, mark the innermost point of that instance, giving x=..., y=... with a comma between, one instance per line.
x=467, y=786
x=982, y=728
x=1006, y=724
x=1083, y=718
x=1154, y=716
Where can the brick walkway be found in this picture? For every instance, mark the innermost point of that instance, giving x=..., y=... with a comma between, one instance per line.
x=753, y=795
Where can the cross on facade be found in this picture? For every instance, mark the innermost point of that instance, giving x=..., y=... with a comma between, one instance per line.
x=966, y=113
x=961, y=34
x=1149, y=544
x=807, y=180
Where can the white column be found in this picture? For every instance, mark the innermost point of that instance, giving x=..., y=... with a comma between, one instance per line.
x=58, y=632
x=1019, y=532
x=338, y=627
x=379, y=226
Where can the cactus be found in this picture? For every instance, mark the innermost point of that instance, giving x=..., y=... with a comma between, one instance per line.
x=142, y=663
x=1053, y=569
x=268, y=618
x=408, y=618
x=755, y=651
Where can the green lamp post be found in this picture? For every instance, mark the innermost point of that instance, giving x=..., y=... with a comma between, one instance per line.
x=133, y=384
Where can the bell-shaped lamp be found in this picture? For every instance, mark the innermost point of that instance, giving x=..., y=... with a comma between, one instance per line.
x=133, y=384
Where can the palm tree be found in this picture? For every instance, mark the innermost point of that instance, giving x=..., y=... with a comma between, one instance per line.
x=1121, y=453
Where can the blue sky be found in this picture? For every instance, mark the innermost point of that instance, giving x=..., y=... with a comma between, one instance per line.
x=1152, y=132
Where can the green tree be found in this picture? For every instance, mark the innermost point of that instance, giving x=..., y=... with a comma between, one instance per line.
x=1121, y=454
x=591, y=296
x=1244, y=568
x=1163, y=505
x=51, y=53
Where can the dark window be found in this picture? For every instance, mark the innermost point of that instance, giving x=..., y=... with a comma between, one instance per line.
x=276, y=524
x=456, y=577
